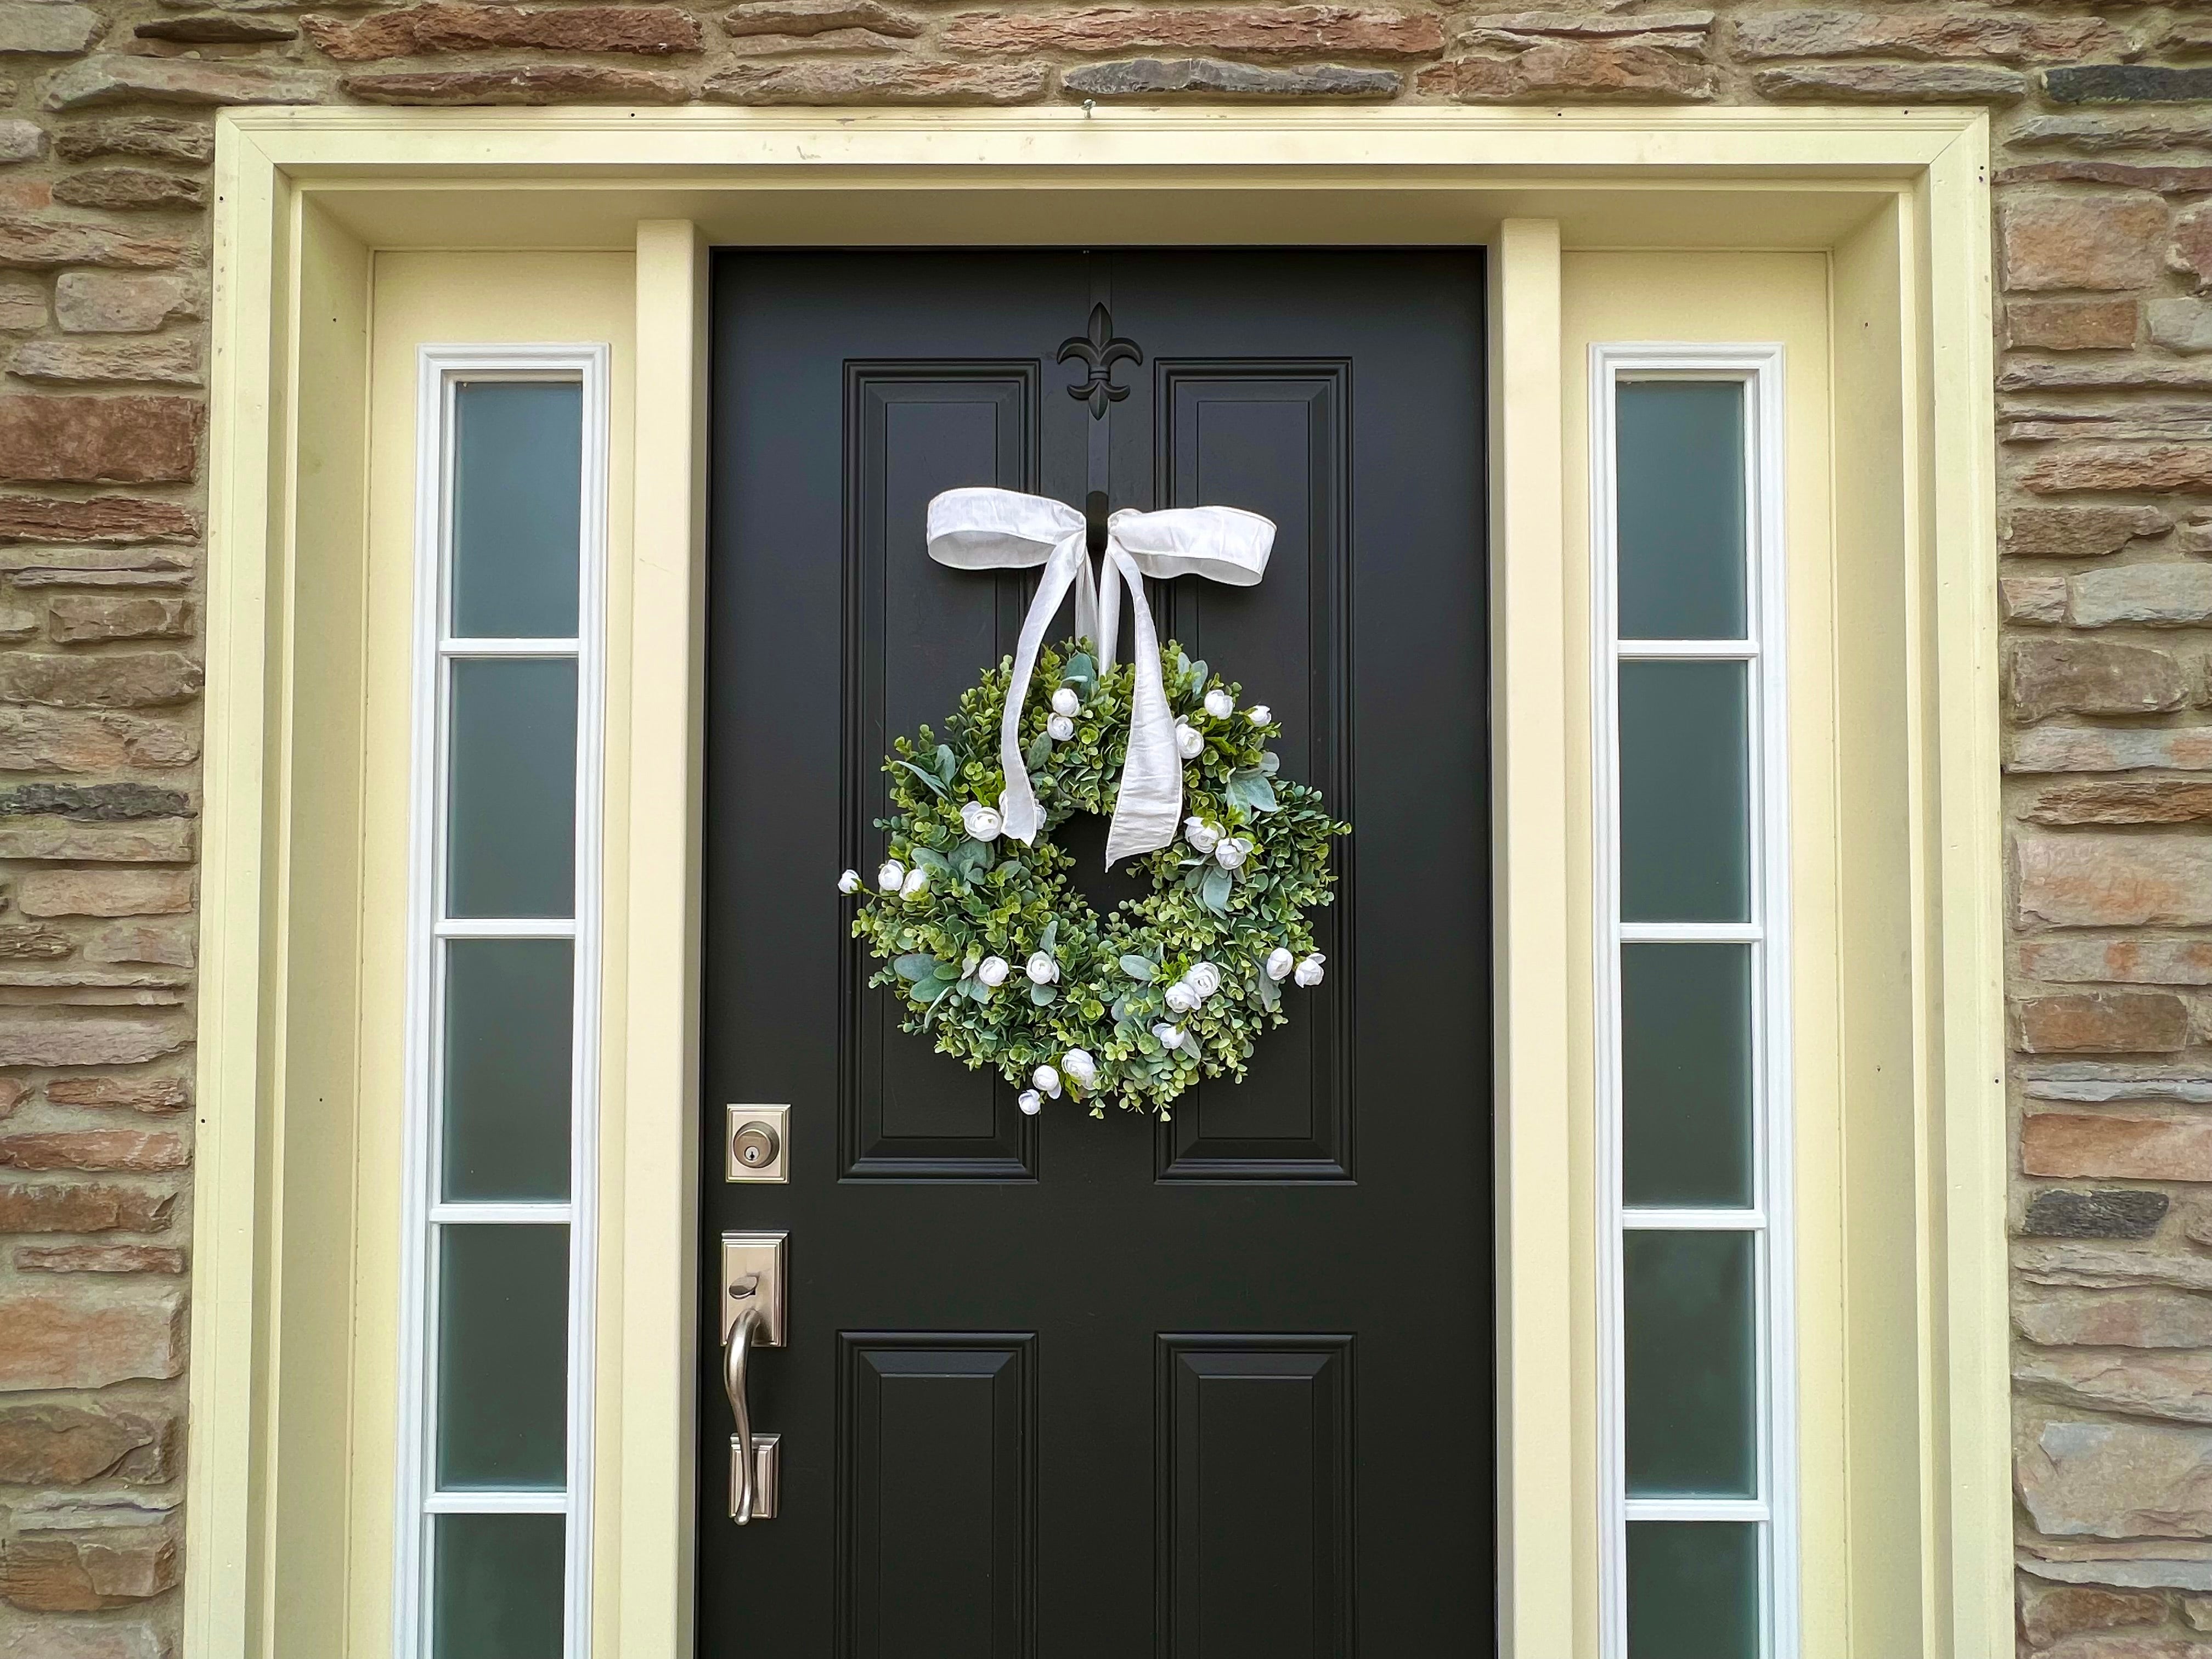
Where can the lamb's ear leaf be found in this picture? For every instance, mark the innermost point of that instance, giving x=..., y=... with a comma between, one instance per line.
x=1198, y=675
x=1271, y=762
x=947, y=764
x=1213, y=891
x=977, y=991
x=1271, y=994
x=945, y=970
x=1041, y=994
x=928, y=778
x=1137, y=968
x=929, y=859
x=1251, y=790
x=1039, y=752
x=915, y=965
x=1050, y=937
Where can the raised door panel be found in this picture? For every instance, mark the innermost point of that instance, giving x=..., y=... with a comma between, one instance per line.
x=937, y=1543
x=1273, y=437
x=1256, y=1509
x=914, y=633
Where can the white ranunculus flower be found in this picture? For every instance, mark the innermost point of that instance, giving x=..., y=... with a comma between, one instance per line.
x=993, y=971
x=1041, y=969
x=1204, y=978
x=1059, y=728
x=1260, y=714
x=1200, y=833
x=1232, y=852
x=1065, y=701
x=1046, y=1080
x=1030, y=1102
x=1308, y=972
x=1181, y=997
x=889, y=875
x=1220, y=704
x=1079, y=1067
x=1279, y=964
x=1170, y=1036
x=915, y=885
x=980, y=822
x=1190, y=742
x=850, y=882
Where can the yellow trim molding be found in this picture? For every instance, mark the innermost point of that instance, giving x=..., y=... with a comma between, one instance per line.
x=1885, y=213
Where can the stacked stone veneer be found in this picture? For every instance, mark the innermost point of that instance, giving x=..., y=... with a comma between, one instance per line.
x=2104, y=188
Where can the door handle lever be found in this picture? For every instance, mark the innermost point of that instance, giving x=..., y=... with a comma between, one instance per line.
x=734, y=1356
x=753, y=1317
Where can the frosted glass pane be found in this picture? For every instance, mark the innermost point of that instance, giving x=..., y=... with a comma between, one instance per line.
x=1692, y=1590
x=509, y=1019
x=1679, y=447
x=495, y=1586
x=1685, y=792
x=518, y=467
x=502, y=1356
x=511, y=823
x=1685, y=1075
x=1692, y=1398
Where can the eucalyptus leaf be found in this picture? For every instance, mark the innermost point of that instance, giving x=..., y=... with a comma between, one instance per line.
x=976, y=990
x=1041, y=994
x=1139, y=968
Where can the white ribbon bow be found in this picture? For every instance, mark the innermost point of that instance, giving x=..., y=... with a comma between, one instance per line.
x=985, y=529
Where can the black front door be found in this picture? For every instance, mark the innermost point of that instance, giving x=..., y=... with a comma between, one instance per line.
x=1058, y=1387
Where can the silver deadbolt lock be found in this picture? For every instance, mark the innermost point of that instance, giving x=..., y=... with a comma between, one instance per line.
x=756, y=1144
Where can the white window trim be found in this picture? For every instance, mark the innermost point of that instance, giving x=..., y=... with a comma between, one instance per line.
x=1759, y=367
x=439, y=368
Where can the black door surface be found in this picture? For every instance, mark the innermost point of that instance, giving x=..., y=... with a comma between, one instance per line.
x=1059, y=1386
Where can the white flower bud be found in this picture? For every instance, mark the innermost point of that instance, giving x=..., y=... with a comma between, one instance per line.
x=993, y=971
x=891, y=873
x=1065, y=701
x=1046, y=1080
x=1181, y=999
x=980, y=822
x=1279, y=964
x=850, y=882
x=1205, y=979
x=1041, y=969
x=1170, y=1036
x=1308, y=972
x=1260, y=714
x=1220, y=704
x=1190, y=742
x=1079, y=1067
x=915, y=885
x=1200, y=833
x=1030, y=1102
x=1059, y=728
x=1231, y=852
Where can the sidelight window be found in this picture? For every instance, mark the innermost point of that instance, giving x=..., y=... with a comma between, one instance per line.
x=495, y=1382
x=1696, y=1458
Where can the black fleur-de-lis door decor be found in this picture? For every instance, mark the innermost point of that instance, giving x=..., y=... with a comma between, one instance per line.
x=1100, y=349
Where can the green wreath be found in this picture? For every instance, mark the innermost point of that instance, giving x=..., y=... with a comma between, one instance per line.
x=993, y=949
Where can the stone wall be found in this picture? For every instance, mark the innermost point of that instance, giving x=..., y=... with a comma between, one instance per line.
x=2105, y=183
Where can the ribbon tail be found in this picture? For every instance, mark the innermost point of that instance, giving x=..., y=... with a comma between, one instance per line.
x=1018, y=802
x=1109, y=609
x=1150, y=804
